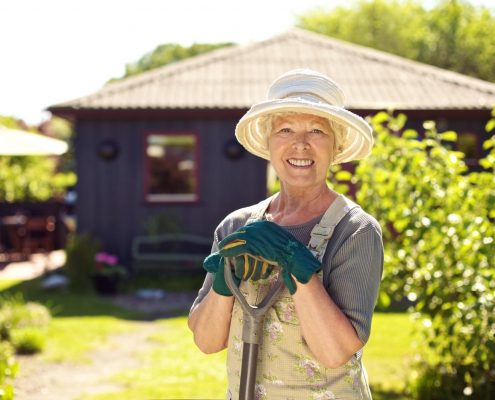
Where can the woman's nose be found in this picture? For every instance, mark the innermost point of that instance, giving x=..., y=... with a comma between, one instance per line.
x=300, y=141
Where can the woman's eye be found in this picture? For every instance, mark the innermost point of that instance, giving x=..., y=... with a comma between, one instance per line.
x=285, y=130
x=317, y=131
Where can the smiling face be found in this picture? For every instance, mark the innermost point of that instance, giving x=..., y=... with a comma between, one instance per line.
x=301, y=149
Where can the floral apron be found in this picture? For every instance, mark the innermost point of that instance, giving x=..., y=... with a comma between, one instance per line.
x=286, y=367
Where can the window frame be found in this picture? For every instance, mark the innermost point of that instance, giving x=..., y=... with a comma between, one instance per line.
x=146, y=164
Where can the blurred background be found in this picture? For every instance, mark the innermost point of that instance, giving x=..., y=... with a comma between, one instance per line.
x=118, y=160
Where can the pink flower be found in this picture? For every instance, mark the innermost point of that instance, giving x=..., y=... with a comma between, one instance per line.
x=106, y=258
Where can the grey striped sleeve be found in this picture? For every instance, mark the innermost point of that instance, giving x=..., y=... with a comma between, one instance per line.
x=354, y=277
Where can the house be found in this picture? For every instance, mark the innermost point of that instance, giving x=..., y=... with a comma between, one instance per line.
x=161, y=144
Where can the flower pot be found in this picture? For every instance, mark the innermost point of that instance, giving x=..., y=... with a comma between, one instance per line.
x=106, y=285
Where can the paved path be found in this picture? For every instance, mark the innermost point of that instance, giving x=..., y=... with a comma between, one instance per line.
x=34, y=267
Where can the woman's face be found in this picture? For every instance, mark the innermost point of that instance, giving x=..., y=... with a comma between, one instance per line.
x=301, y=149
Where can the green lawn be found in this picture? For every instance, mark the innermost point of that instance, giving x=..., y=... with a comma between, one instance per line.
x=176, y=369
x=387, y=354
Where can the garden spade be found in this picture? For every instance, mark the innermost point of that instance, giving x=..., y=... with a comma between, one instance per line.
x=253, y=316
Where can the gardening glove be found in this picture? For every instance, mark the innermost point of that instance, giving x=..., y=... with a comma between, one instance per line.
x=269, y=242
x=214, y=263
x=245, y=267
x=253, y=268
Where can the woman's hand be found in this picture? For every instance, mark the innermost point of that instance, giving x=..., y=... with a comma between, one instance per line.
x=245, y=267
x=268, y=242
x=214, y=263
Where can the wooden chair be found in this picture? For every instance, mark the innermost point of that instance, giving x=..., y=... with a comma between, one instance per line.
x=40, y=233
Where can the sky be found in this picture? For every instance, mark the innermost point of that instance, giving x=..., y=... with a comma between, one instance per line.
x=57, y=50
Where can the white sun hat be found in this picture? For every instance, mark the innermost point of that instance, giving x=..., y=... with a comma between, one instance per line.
x=309, y=92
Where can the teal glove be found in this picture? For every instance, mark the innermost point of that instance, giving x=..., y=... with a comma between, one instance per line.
x=269, y=242
x=246, y=267
x=249, y=267
x=214, y=263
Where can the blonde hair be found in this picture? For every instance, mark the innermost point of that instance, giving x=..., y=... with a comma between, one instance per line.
x=338, y=130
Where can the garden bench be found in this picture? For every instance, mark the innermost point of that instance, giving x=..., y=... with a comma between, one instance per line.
x=169, y=252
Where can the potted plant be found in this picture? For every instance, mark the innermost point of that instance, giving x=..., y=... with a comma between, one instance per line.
x=108, y=273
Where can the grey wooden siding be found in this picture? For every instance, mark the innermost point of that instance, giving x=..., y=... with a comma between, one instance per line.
x=111, y=201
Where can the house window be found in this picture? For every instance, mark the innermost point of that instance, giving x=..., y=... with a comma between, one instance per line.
x=171, y=167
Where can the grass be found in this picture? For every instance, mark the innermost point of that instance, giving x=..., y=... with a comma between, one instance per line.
x=71, y=338
x=81, y=321
x=176, y=369
x=6, y=283
x=387, y=353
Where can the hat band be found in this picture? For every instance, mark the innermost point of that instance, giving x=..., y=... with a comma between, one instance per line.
x=309, y=97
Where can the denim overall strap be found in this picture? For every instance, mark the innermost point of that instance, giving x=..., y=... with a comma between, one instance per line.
x=323, y=230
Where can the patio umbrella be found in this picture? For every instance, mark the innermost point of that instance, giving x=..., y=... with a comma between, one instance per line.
x=15, y=142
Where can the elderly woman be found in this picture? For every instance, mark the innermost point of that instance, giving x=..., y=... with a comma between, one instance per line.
x=328, y=250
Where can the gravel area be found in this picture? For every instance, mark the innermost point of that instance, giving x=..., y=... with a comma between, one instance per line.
x=172, y=303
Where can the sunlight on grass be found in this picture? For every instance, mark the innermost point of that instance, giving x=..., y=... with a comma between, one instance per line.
x=72, y=337
x=388, y=352
x=81, y=321
x=178, y=370
x=7, y=283
x=174, y=370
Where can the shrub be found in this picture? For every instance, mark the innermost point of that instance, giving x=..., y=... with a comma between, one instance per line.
x=8, y=370
x=29, y=340
x=16, y=313
x=80, y=251
x=23, y=324
x=439, y=231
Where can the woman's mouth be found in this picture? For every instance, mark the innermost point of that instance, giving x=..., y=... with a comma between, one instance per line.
x=300, y=163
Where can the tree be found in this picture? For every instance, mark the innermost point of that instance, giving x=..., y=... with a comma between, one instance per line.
x=31, y=177
x=166, y=54
x=452, y=35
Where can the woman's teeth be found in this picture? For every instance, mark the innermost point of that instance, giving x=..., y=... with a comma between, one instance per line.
x=300, y=163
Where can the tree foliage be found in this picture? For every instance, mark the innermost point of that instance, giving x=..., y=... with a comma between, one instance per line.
x=453, y=34
x=439, y=232
x=169, y=53
x=31, y=178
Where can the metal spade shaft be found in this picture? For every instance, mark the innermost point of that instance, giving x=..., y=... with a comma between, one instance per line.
x=253, y=316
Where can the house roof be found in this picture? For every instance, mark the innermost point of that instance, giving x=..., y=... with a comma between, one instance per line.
x=238, y=76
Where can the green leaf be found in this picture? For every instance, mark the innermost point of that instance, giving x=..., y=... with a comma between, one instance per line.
x=380, y=117
x=410, y=134
x=490, y=125
x=343, y=175
x=429, y=125
x=489, y=143
x=384, y=299
x=449, y=136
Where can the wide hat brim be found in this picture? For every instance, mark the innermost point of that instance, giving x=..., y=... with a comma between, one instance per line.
x=356, y=142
